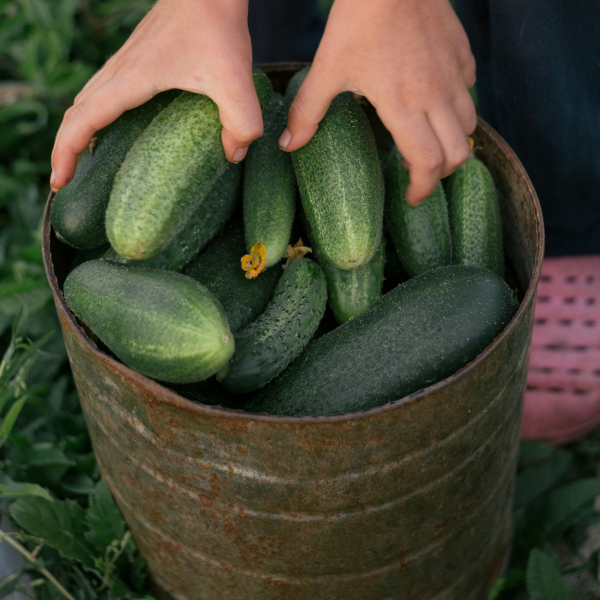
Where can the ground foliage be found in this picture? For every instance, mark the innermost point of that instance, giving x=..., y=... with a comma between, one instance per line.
x=68, y=526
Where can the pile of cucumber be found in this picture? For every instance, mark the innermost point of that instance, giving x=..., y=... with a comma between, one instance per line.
x=213, y=279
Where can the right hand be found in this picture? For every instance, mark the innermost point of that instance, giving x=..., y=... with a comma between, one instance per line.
x=202, y=46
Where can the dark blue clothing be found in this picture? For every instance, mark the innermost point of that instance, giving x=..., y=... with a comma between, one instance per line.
x=284, y=30
x=538, y=81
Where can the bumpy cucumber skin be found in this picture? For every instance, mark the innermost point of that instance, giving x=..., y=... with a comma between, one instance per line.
x=78, y=210
x=218, y=268
x=162, y=324
x=421, y=235
x=350, y=292
x=168, y=173
x=269, y=188
x=200, y=230
x=269, y=344
x=416, y=335
x=340, y=181
x=475, y=217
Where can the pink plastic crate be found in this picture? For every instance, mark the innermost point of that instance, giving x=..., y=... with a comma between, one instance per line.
x=562, y=397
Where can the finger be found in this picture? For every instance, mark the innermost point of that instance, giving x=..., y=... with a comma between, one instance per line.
x=307, y=110
x=240, y=115
x=469, y=71
x=465, y=111
x=82, y=120
x=99, y=78
x=452, y=138
x=420, y=150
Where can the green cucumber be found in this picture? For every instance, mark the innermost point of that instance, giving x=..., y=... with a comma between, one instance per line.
x=162, y=324
x=219, y=269
x=475, y=217
x=168, y=173
x=269, y=344
x=269, y=188
x=340, y=181
x=421, y=234
x=213, y=213
x=350, y=292
x=78, y=210
x=416, y=335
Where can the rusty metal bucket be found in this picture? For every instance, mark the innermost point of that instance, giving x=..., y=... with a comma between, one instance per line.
x=411, y=500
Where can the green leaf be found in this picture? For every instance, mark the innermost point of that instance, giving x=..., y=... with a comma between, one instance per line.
x=567, y=504
x=61, y=524
x=515, y=578
x=541, y=477
x=104, y=518
x=544, y=581
x=9, y=583
x=34, y=294
x=78, y=483
x=10, y=367
x=532, y=450
x=16, y=490
x=10, y=419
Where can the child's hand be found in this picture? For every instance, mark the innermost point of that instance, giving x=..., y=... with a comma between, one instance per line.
x=412, y=60
x=197, y=45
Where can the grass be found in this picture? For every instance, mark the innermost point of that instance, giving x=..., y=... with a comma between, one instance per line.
x=69, y=530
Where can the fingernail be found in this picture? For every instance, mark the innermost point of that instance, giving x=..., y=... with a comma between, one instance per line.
x=52, y=178
x=284, y=140
x=240, y=154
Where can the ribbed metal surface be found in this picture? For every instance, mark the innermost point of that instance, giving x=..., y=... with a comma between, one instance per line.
x=410, y=500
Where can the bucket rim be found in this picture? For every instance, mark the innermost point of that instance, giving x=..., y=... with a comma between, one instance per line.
x=168, y=396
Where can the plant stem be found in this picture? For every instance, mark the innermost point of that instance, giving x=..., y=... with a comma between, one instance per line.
x=4, y=536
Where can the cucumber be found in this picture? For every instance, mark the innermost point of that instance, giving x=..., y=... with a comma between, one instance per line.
x=268, y=345
x=340, y=181
x=162, y=324
x=219, y=269
x=269, y=188
x=416, y=335
x=200, y=229
x=78, y=210
x=168, y=173
x=350, y=292
x=421, y=235
x=475, y=217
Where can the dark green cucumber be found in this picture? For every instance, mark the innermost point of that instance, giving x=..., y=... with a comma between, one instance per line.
x=219, y=269
x=416, y=335
x=78, y=210
x=475, y=217
x=168, y=173
x=213, y=213
x=340, y=181
x=269, y=188
x=350, y=292
x=162, y=324
x=269, y=344
x=421, y=235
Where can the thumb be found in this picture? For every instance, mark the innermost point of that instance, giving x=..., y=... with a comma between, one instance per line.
x=307, y=111
x=240, y=115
